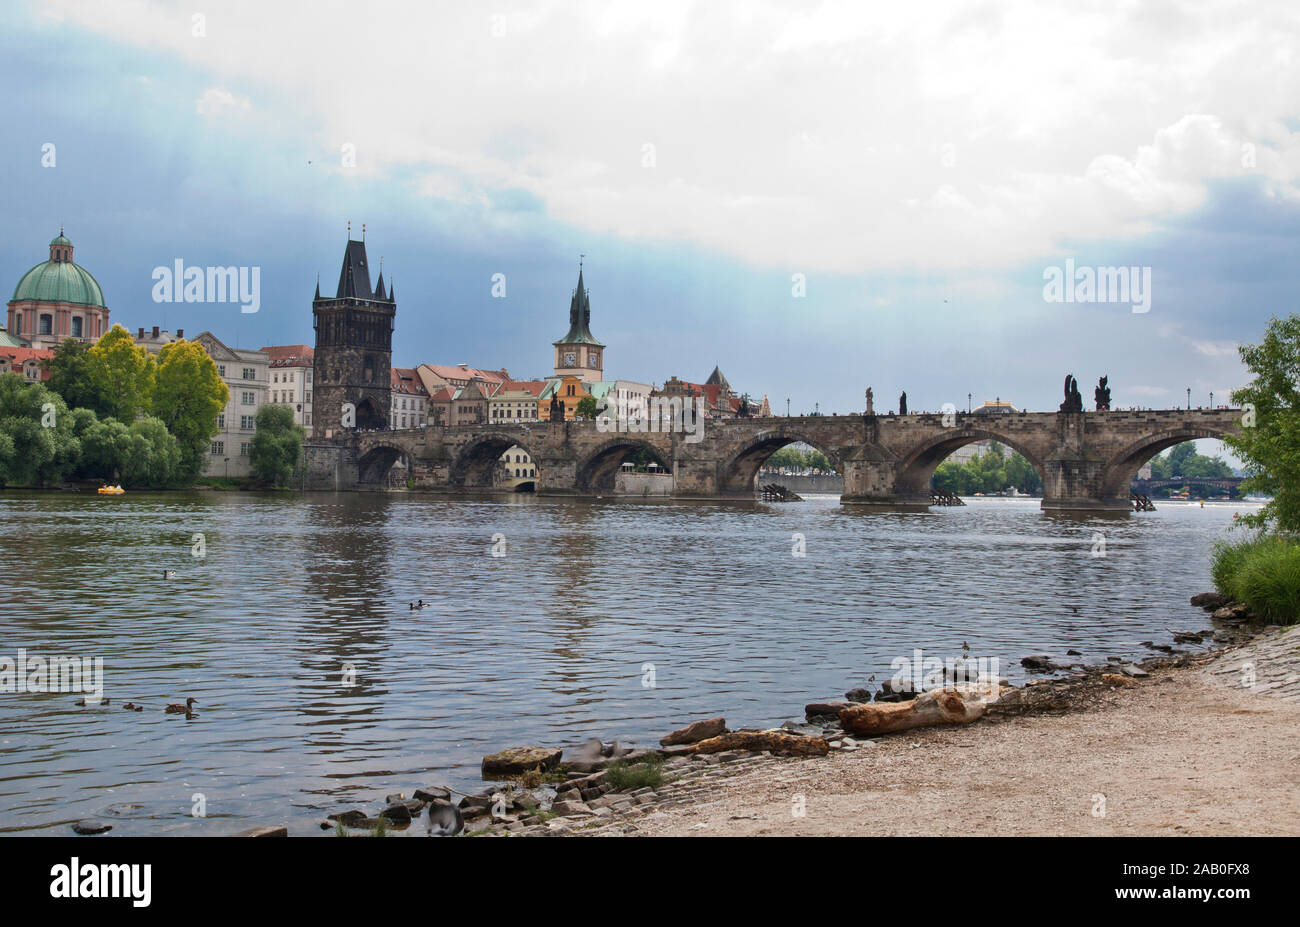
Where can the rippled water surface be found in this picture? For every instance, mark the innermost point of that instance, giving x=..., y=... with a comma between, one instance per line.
x=545, y=644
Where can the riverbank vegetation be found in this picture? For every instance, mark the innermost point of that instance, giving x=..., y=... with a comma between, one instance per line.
x=799, y=458
x=988, y=473
x=1263, y=572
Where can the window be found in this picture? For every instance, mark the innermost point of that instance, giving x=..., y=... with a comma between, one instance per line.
x=249, y=399
x=218, y=448
x=47, y=325
x=221, y=371
x=221, y=421
x=247, y=422
x=308, y=418
x=243, y=449
x=275, y=378
x=76, y=326
x=250, y=373
x=290, y=376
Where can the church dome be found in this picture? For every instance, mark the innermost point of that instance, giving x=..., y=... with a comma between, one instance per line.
x=59, y=280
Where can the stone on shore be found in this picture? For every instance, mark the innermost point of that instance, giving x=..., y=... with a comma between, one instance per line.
x=1210, y=600
x=938, y=706
x=269, y=831
x=570, y=806
x=1038, y=663
x=91, y=827
x=858, y=695
x=1115, y=679
x=433, y=793
x=350, y=818
x=779, y=743
x=824, y=709
x=518, y=760
x=694, y=732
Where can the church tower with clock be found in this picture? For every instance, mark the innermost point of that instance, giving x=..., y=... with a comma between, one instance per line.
x=578, y=353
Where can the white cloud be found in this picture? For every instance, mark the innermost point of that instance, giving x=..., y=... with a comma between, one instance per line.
x=851, y=137
x=215, y=101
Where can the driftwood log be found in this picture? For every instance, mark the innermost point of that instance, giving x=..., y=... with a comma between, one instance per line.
x=953, y=705
x=780, y=743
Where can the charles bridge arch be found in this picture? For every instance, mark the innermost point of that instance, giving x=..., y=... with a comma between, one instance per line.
x=1086, y=459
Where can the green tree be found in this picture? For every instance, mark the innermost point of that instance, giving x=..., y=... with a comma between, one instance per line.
x=70, y=377
x=37, y=443
x=277, y=444
x=122, y=373
x=1269, y=443
x=586, y=408
x=154, y=456
x=188, y=396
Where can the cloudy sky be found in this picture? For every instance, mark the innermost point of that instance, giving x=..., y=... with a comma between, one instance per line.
x=816, y=197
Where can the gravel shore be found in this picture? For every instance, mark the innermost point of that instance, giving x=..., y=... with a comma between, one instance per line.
x=1189, y=750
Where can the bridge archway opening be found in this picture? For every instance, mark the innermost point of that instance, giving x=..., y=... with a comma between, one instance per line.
x=740, y=475
x=369, y=418
x=374, y=466
x=479, y=465
x=916, y=476
x=1123, y=468
x=598, y=472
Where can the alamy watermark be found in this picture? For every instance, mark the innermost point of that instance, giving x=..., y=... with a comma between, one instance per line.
x=37, y=674
x=919, y=673
x=1098, y=285
x=194, y=284
x=663, y=415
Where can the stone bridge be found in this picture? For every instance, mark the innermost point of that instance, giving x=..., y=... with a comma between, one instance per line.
x=1087, y=460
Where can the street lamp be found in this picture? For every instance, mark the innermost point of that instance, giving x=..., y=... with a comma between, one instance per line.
x=1211, y=400
x=787, y=406
x=968, y=405
x=227, y=468
x=1189, y=399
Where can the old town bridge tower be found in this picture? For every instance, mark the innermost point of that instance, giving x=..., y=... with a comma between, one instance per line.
x=354, y=347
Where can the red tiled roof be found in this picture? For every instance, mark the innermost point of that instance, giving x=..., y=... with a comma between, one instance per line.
x=16, y=358
x=451, y=372
x=406, y=380
x=534, y=387
x=290, y=355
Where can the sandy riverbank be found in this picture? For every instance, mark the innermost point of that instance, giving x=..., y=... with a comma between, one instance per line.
x=1187, y=751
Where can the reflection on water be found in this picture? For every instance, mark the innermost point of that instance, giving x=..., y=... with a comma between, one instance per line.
x=317, y=685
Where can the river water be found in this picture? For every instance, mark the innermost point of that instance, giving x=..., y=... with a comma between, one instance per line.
x=599, y=618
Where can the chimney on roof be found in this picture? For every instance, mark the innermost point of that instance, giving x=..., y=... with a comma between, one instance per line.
x=463, y=366
x=180, y=333
x=140, y=336
x=155, y=331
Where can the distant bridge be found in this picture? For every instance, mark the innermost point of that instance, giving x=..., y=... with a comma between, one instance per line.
x=1230, y=483
x=1087, y=460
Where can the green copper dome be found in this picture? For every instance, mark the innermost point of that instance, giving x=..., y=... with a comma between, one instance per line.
x=59, y=280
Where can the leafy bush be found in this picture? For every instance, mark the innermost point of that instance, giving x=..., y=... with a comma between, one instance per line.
x=1263, y=574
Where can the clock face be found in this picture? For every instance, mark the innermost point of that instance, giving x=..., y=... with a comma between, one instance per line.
x=595, y=359
x=570, y=360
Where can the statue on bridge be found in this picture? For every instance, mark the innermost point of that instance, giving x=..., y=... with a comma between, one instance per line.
x=902, y=403
x=1073, y=401
x=1102, y=395
x=557, y=409
x=870, y=402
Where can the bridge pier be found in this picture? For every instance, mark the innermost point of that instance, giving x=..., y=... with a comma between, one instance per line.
x=1078, y=484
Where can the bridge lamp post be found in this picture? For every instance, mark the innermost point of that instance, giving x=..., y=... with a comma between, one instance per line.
x=1189, y=399
x=787, y=406
x=968, y=404
x=1211, y=400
